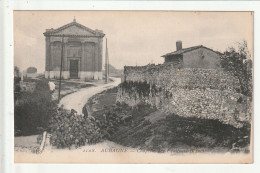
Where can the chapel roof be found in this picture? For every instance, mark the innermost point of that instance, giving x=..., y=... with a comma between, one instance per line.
x=74, y=29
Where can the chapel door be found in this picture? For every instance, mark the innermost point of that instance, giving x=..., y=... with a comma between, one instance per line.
x=74, y=68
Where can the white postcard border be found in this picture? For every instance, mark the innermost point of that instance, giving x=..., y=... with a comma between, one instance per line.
x=7, y=66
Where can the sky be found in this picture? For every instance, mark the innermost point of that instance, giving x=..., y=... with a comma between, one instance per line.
x=134, y=37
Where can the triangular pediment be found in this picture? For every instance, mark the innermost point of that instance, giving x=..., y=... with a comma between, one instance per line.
x=73, y=29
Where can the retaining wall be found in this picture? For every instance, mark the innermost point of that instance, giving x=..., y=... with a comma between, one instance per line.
x=204, y=93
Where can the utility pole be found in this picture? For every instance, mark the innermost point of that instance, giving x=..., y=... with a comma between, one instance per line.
x=106, y=64
x=61, y=60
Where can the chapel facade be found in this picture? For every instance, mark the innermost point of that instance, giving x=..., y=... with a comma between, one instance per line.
x=79, y=50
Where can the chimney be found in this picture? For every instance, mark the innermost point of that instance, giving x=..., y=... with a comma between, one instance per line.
x=178, y=45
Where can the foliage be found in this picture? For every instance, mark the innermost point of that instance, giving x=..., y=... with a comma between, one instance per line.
x=240, y=64
x=198, y=133
x=16, y=71
x=121, y=121
x=17, y=87
x=68, y=128
x=17, y=80
x=142, y=88
x=31, y=70
x=33, y=110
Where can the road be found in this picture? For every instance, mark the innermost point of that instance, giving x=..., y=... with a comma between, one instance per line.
x=78, y=99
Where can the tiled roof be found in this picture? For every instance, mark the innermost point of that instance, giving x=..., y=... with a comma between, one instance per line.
x=178, y=52
x=97, y=33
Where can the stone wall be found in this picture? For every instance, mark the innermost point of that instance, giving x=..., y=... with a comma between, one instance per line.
x=168, y=76
x=204, y=93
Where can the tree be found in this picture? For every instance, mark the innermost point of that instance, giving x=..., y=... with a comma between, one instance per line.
x=34, y=110
x=31, y=70
x=239, y=62
x=16, y=71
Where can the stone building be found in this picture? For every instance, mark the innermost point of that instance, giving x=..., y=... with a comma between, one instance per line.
x=82, y=52
x=194, y=57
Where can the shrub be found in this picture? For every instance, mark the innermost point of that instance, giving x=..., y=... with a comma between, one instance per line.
x=17, y=87
x=32, y=113
x=31, y=70
x=68, y=128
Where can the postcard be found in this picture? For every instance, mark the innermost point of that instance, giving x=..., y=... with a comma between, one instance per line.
x=133, y=87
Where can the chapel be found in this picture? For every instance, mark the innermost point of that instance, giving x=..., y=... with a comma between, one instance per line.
x=75, y=47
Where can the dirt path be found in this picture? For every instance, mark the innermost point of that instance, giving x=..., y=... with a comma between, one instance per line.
x=78, y=99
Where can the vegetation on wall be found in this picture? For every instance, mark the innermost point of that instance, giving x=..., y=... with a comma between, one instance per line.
x=143, y=89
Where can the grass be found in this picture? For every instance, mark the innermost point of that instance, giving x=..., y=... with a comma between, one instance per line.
x=197, y=133
x=26, y=143
x=102, y=100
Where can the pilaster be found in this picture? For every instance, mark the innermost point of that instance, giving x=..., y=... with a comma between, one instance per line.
x=96, y=56
x=82, y=56
x=100, y=44
x=47, y=54
x=65, y=59
x=51, y=56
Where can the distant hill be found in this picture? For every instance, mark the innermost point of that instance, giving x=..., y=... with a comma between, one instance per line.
x=114, y=72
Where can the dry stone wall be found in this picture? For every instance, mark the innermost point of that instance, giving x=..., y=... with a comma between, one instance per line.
x=169, y=76
x=204, y=93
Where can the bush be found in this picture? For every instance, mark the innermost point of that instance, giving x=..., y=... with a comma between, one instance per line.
x=195, y=132
x=31, y=70
x=108, y=121
x=32, y=113
x=17, y=87
x=68, y=128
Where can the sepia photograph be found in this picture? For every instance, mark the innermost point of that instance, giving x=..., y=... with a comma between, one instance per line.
x=133, y=87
